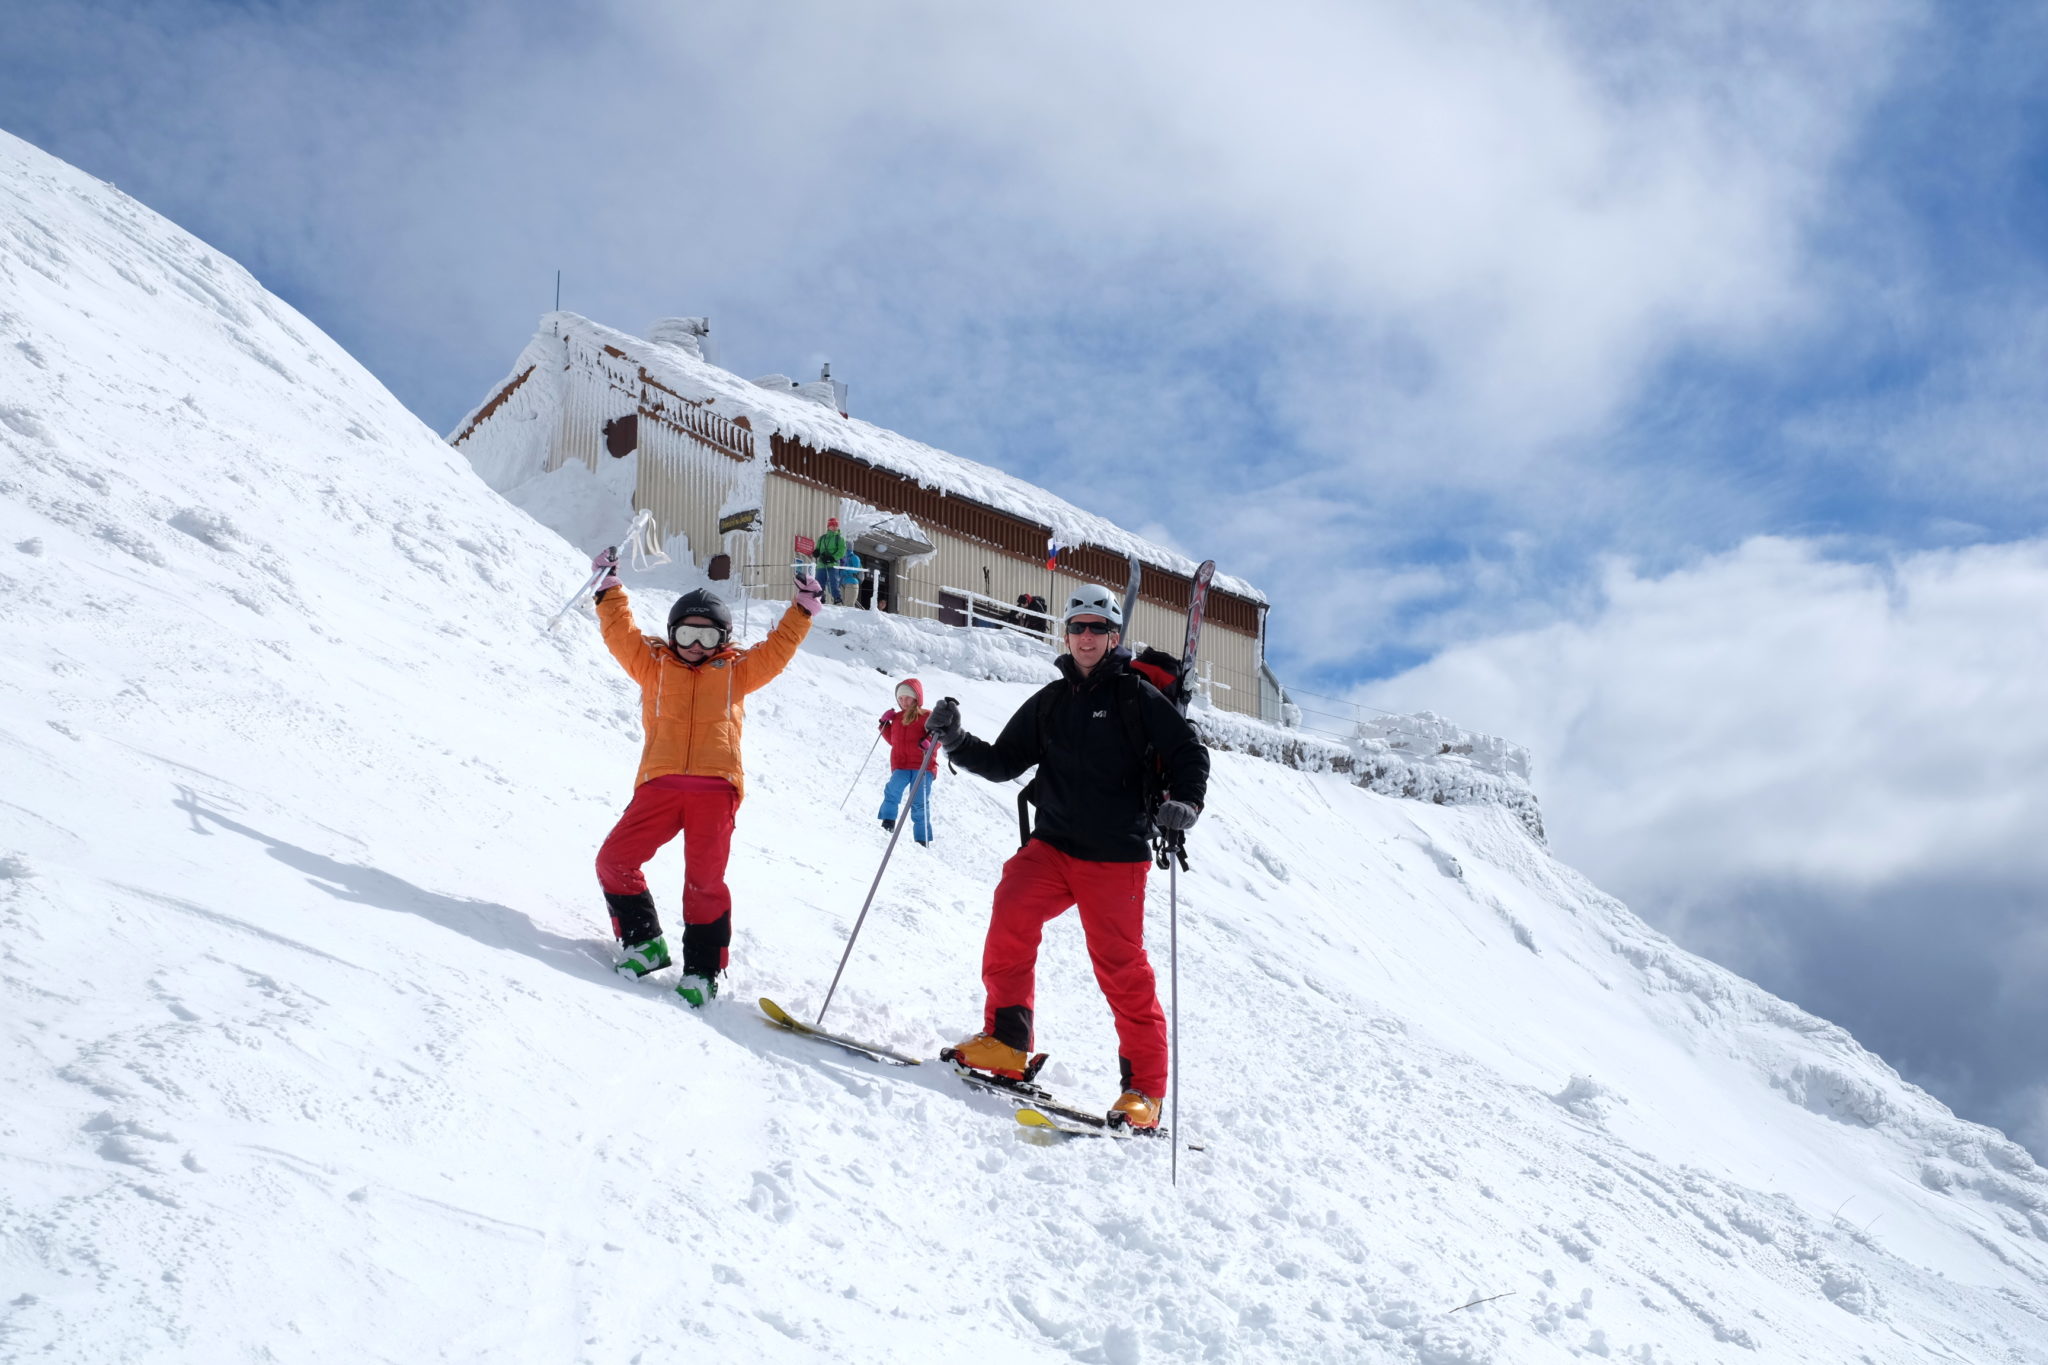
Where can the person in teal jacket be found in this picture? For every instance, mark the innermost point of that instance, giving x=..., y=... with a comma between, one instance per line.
x=847, y=575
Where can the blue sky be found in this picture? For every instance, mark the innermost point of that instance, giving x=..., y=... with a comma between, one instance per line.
x=1505, y=332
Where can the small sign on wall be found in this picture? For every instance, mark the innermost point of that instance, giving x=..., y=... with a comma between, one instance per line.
x=749, y=520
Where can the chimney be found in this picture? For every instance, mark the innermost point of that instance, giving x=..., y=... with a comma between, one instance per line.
x=692, y=335
x=838, y=389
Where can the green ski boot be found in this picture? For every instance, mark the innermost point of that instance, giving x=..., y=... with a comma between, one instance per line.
x=696, y=990
x=642, y=958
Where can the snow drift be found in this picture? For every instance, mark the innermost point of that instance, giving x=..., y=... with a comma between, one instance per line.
x=312, y=1051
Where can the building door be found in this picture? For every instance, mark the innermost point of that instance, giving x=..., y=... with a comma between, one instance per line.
x=882, y=547
x=878, y=589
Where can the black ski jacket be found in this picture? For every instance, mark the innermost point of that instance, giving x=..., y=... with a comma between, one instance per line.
x=1091, y=789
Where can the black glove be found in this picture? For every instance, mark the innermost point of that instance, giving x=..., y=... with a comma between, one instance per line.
x=944, y=724
x=1173, y=815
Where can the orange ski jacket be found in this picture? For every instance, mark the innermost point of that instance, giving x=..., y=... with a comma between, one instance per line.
x=692, y=714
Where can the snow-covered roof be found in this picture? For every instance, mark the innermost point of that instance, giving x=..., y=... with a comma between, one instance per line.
x=799, y=418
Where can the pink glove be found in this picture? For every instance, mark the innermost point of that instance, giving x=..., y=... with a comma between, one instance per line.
x=810, y=594
x=883, y=723
x=608, y=560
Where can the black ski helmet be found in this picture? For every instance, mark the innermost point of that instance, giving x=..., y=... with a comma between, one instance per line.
x=700, y=602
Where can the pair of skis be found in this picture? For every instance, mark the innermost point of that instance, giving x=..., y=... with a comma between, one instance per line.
x=1036, y=1107
x=1198, y=600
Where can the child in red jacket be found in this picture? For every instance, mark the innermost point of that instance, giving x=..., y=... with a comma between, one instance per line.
x=904, y=729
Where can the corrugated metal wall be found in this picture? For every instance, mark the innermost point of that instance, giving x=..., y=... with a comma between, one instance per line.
x=593, y=394
x=795, y=508
x=790, y=509
x=1004, y=532
x=690, y=460
x=684, y=481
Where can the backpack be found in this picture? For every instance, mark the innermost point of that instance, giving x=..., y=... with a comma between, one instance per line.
x=1162, y=670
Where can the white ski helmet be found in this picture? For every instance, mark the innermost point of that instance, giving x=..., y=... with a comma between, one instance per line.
x=1092, y=599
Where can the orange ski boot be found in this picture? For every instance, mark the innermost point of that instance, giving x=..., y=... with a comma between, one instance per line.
x=1135, y=1111
x=984, y=1052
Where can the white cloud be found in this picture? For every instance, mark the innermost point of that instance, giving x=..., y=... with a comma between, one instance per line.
x=1831, y=776
x=1773, y=713
x=1537, y=214
x=1963, y=440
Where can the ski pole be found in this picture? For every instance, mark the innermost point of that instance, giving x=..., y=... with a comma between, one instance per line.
x=642, y=550
x=858, y=771
x=1173, y=995
x=589, y=583
x=931, y=763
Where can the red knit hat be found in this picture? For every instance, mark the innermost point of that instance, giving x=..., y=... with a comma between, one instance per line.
x=831, y=521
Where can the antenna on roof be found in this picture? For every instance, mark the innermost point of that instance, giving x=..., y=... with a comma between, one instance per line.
x=558, y=291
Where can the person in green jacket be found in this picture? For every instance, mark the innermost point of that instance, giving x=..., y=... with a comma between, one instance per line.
x=831, y=546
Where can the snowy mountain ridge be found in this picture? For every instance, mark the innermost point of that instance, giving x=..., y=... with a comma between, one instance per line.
x=313, y=1051
x=1421, y=757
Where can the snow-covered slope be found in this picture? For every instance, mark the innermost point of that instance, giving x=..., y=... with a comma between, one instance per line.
x=311, y=1050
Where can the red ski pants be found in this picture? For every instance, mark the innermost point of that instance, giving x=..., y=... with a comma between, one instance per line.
x=701, y=809
x=1039, y=884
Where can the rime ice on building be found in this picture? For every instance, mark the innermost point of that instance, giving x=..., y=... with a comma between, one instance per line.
x=739, y=470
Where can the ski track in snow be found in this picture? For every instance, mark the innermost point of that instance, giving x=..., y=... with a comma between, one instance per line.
x=313, y=1052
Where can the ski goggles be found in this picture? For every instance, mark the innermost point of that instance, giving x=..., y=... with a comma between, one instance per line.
x=704, y=637
x=1091, y=627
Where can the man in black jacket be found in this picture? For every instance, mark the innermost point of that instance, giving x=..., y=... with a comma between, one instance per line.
x=1105, y=743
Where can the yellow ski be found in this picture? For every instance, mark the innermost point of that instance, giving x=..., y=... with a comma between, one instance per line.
x=783, y=1019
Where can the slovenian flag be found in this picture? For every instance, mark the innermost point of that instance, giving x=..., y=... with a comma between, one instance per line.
x=1052, y=551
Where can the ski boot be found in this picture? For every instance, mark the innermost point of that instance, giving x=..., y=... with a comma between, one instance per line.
x=889, y=825
x=642, y=958
x=993, y=1057
x=697, y=991
x=1135, y=1111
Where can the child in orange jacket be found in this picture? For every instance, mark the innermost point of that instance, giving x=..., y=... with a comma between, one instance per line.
x=693, y=691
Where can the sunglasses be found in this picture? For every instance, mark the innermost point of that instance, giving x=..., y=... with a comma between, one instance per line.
x=1089, y=627
x=705, y=637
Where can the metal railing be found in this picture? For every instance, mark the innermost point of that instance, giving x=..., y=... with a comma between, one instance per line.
x=987, y=612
